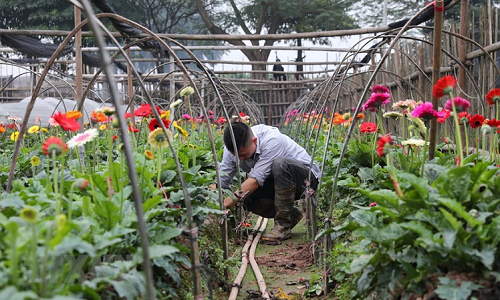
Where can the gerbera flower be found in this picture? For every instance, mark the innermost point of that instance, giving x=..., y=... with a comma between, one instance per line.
x=14, y=136
x=176, y=103
x=65, y=122
x=74, y=114
x=107, y=110
x=97, y=116
x=165, y=115
x=29, y=214
x=444, y=86
x=360, y=116
x=35, y=161
x=221, y=121
x=426, y=111
x=103, y=127
x=81, y=183
x=380, y=89
x=43, y=129
x=463, y=117
x=187, y=91
x=143, y=111
x=445, y=116
x=493, y=123
x=413, y=141
x=476, y=121
x=54, y=144
x=460, y=104
x=33, y=129
x=158, y=139
x=383, y=145
x=376, y=100
x=182, y=131
x=2, y=129
x=408, y=103
x=493, y=96
x=368, y=127
x=153, y=124
x=127, y=116
x=132, y=128
x=149, y=155
x=186, y=117
x=419, y=124
x=83, y=138
x=392, y=114
x=339, y=120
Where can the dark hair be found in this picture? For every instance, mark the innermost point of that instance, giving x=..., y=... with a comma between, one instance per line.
x=242, y=135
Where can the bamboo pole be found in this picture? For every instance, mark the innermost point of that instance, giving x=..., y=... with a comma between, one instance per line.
x=78, y=58
x=438, y=26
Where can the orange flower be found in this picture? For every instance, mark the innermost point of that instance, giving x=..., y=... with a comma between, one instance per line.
x=493, y=96
x=339, y=120
x=2, y=129
x=54, y=144
x=444, y=86
x=74, y=114
x=360, y=116
x=65, y=122
x=99, y=116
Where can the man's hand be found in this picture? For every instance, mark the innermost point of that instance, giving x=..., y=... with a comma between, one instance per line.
x=228, y=202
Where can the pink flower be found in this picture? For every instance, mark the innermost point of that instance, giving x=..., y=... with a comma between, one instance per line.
x=376, y=100
x=426, y=111
x=186, y=116
x=372, y=204
x=460, y=104
x=380, y=89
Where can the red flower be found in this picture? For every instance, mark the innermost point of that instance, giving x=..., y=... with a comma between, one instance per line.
x=372, y=204
x=115, y=137
x=382, y=143
x=446, y=116
x=426, y=111
x=376, y=100
x=493, y=96
x=132, y=128
x=380, y=89
x=476, y=121
x=65, y=122
x=127, y=116
x=143, y=111
x=463, y=118
x=153, y=124
x=242, y=114
x=368, y=127
x=493, y=123
x=54, y=144
x=444, y=86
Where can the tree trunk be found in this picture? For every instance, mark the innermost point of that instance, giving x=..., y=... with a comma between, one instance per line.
x=300, y=58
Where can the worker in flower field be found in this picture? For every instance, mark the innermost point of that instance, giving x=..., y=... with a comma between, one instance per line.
x=278, y=173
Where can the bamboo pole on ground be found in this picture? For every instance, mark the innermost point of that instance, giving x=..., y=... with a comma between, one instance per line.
x=255, y=266
x=438, y=26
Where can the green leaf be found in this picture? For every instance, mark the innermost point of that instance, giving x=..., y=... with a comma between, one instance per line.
x=12, y=293
x=108, y=213
x=455, y=224
x=69, y=244
x=364, y=217
x=385, y=198
x=359, y=263
x=167, y=176
x=151, y=202
x=11, y=200
x=419, y=228
x=487, y=256
x=450, y=290
x=457, y=184
x=459, y=209
x=419, y=184
x=162, y=250
x=166, y=234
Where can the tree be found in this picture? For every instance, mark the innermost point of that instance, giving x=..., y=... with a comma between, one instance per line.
x=274, y=16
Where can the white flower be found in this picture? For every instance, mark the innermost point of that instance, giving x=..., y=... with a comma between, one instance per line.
x=187, y=91
x=176, y=103
x=414, y=142
x=82, y=138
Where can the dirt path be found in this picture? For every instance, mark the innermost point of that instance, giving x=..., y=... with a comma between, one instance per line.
x=287, y=266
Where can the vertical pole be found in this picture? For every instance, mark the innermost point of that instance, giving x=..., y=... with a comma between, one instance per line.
x=436, y=69
x=78, y=59
x=172, y=85
x=328, y=247
x=130, y=89
x=462, y=44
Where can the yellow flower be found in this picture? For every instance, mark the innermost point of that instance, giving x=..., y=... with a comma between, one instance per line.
x=34, y=129
x=73, y=114
x=149, y=155
x=35, y=161
x=191, y=146
x=158, y=139
x=29, y=214
x=44, y=130
x=60, y=222
x=182, y=131
x=14, y=136
x=187, y=91
x=102, y=127
x=166, y=115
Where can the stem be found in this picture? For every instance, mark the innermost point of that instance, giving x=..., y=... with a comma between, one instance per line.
x=158, y=165
x=70, y=202
x=56, y=191
x=45, y=259
x=34, y=261
x=424, y=154
x=14, y=268
x=121, y=187
x=403, y=127
x=484, y=148
x=110, y=148
x=466, y=140
x=79, y=158
x=379, y=121
x=458, y=138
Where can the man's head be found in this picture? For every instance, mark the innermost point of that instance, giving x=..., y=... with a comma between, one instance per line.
x=246, y=143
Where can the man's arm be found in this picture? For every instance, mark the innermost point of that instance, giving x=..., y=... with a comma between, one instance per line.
x=247, y=187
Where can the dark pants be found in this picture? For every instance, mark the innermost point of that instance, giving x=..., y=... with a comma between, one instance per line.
x=276, y=198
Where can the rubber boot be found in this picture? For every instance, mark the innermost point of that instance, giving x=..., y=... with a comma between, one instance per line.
x=283, y=203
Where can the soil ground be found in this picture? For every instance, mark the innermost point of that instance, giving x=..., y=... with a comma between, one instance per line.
x=287, y=266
